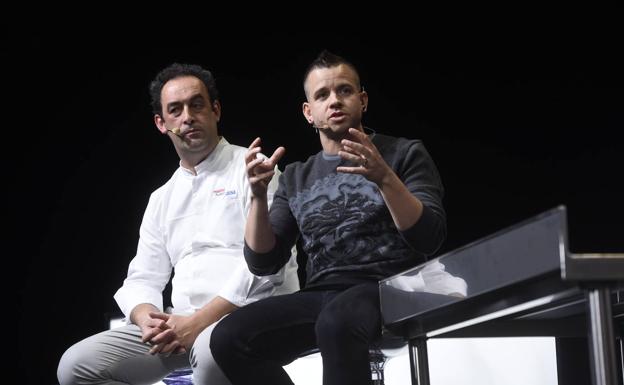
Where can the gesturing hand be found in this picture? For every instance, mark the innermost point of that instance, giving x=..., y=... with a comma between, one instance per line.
x=260, y=169
x=363, y=152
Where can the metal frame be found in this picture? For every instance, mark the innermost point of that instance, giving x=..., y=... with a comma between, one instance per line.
x=580, y=279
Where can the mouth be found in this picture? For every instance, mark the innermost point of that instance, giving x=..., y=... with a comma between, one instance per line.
x=190, y=132
x=337, y=115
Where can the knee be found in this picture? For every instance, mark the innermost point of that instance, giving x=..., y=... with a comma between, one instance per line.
x=205, y=369
x=332, y=328
x=71, y=368
x=222, y=340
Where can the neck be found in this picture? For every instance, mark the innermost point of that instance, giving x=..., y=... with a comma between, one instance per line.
x=190, y=160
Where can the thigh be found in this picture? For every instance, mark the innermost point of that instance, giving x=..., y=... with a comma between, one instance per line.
x=277, y=328
x=205, y=369
x=117, y=355
x=355, y=309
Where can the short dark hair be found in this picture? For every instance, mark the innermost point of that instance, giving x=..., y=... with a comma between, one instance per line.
x=327, y=59
x=177, y=70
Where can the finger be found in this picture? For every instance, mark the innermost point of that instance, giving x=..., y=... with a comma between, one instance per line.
x=349, y=156
x=156, y=323
x=252, y=154
x=163, y=337
x=255, y=143
x=351, y=170
x=277, y=155
x=355, y=146
x=351, y=150
x=155, y=349
x=159, y=315
x=252, y=165
x=264, y=176
x=149, y=335
x=170, y=347
x=361, y=136
x=261, y=156
x=180, y=350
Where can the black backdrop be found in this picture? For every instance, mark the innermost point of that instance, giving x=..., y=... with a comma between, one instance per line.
x=516, y=125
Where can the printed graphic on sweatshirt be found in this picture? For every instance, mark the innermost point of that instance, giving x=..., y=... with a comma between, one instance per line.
x=345, y=224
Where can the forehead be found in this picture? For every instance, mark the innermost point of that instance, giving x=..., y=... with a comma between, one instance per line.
x=182, y=88
x=328, y=77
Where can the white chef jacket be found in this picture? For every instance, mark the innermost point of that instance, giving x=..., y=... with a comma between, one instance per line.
x=195, y=225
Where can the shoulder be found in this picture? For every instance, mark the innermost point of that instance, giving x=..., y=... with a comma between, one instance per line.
x=234, y=150
x=161, y=194
x=400, y=152
x=300, y=167
x=232, y=158
x=398, y=147
x=393, y=143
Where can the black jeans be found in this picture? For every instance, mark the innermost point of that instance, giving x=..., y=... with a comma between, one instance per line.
x=253, y=343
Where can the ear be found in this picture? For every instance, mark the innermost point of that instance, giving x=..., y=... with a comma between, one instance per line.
x=216, y=108
x=364, y=100
x=160, y=123
x=307, y=113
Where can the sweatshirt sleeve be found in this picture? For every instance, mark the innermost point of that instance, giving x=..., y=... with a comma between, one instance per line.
x=286, y=232
x=246, y=284
x=420, y=174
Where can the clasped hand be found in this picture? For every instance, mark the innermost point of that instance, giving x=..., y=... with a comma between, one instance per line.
x=168, y=334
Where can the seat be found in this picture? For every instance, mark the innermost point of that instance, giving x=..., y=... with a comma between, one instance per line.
x=387, y=347
x=382, y=350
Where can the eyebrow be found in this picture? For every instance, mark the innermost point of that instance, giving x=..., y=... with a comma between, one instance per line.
x=317, y=92
x=178, y=102
x=338, y=86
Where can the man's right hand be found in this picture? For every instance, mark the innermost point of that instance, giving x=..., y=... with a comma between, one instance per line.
x=142, y=316
x=152, y=327
x=260, y=169
x=172, y=339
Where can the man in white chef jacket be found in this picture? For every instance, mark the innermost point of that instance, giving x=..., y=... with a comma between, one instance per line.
x=193, y=225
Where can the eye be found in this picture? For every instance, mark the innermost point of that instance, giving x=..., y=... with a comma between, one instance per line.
x=175, y=110
x=197, y=105
x=345, y=91
x=321, y=95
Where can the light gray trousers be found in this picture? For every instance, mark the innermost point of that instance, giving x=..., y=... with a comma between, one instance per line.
x=118, y=356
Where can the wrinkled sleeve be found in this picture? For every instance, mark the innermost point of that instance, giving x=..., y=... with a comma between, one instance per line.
x=149, y=270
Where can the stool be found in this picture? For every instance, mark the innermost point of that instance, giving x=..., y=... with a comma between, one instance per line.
x=386, y=347
x=379, y=353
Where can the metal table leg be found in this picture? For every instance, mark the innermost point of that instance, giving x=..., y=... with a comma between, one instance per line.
x=419, y=364
x=601, y=337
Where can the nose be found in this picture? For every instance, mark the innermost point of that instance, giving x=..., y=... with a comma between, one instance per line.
x=334, y=100
x=187, y=116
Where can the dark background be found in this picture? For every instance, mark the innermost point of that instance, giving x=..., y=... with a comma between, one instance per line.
x=516, y=125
